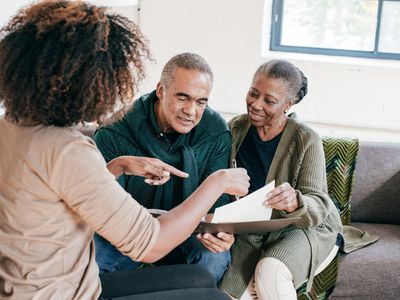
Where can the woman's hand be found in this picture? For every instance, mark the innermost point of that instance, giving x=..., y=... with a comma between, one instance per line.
x=216, y=243
x=182, y=220
x=232, y=181
x=283, y=197
x=153, y=170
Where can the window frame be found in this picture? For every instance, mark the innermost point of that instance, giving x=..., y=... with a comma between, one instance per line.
x=276, y=33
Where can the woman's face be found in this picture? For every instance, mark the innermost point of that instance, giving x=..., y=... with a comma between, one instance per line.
x=267, y=101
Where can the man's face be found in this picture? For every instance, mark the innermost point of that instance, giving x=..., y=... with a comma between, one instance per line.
x=182, y=104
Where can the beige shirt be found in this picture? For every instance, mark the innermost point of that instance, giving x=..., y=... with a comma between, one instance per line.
x=55, y=190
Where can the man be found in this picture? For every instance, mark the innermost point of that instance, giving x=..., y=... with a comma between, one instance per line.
x=174, y=124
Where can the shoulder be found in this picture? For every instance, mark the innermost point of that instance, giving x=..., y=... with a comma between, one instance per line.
x=55, y=146
x=212, y=123
x=129, y=123
x=45, y=138
x=67, y=136
x=239, y=127
x=238, y=122
x=302, y=131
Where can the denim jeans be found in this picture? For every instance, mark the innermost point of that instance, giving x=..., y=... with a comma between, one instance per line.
x=109, y=259
x=191, y=251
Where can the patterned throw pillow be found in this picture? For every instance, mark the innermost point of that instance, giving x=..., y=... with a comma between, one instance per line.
x=340, y=157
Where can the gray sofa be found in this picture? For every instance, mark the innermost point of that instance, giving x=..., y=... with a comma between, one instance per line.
x=373, y=272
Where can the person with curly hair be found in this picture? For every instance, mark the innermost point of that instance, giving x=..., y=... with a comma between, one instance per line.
x=272, y=144
x=64, y=63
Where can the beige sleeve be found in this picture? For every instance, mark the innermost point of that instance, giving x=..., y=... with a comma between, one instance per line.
x=80, y=177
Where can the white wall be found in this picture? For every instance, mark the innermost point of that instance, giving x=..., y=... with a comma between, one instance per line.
x=9, y=8
x=127, y=8
x=347, y=96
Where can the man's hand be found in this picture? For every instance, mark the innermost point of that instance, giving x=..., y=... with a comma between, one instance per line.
x=216, y=244
x=153, y=170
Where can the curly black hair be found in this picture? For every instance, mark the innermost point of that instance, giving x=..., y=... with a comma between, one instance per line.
x=66, y=62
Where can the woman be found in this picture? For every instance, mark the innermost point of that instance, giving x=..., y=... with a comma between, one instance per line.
x=63, y=63
x=272, y=145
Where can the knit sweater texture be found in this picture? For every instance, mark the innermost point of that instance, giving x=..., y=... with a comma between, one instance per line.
x=299, y=160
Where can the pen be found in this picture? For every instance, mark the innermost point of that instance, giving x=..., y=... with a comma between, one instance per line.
x=234, y=165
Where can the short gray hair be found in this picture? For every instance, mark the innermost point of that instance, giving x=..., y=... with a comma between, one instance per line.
x=296, y=81
x=188, y=61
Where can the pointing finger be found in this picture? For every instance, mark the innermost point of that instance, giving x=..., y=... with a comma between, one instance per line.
x=175, y=171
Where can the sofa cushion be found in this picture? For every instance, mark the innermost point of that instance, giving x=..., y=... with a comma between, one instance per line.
x=372, y=272
x=340, y=156
x=376, y=191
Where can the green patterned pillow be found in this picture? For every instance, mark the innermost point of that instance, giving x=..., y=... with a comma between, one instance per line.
x=340, y=157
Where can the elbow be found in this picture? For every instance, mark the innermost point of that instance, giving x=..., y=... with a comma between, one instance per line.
x=157, y=252
x=152, y=256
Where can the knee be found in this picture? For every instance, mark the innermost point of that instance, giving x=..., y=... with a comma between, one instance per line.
x=273, y=279
x=199, y=253
x=269, y=268
x=223, y=259
x=220, y=264
x=215, y=263
x=217, y=260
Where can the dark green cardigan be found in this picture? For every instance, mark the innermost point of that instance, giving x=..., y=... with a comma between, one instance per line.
x=202, y=151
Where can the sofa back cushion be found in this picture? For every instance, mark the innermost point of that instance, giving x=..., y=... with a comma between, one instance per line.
x=376, y=191
x=340, y=156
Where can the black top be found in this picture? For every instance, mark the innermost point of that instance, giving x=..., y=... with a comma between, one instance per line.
x=256, y=157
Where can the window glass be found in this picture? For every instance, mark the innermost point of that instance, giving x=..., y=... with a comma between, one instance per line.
x=340, y=24
x=390, y=27
x=361, y=28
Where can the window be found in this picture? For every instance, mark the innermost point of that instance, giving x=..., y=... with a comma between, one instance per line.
x=362, y=28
